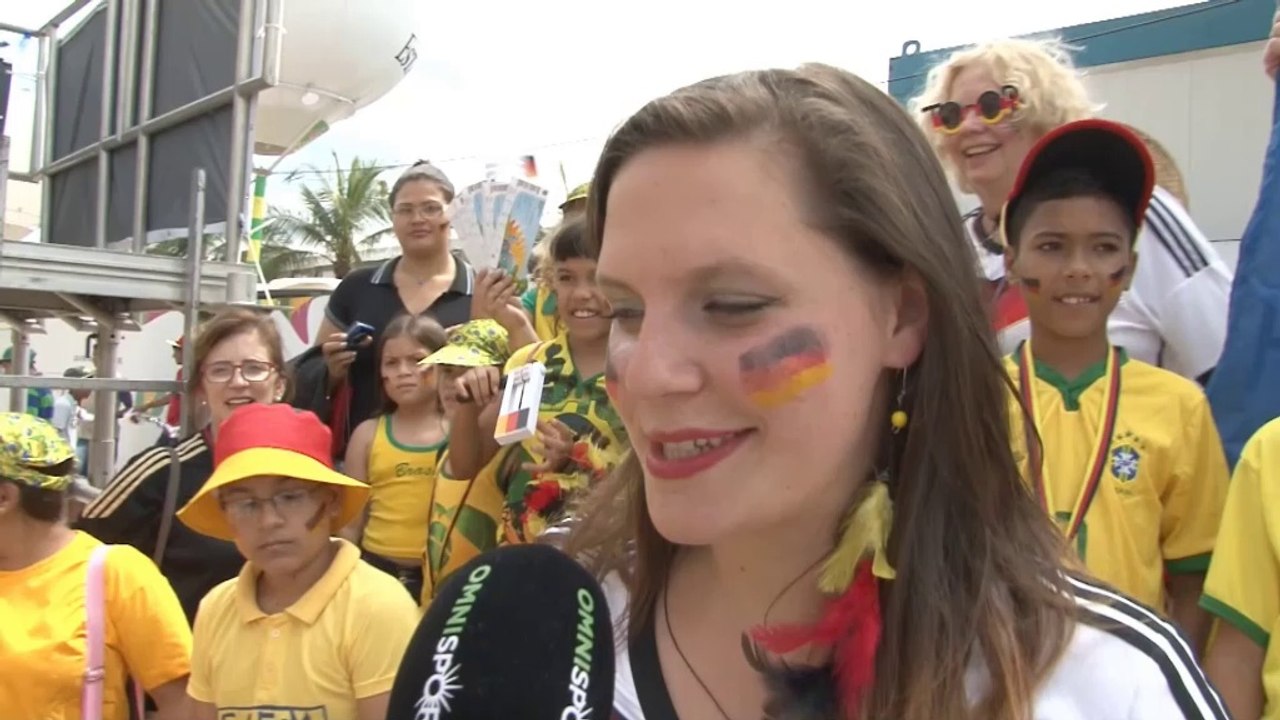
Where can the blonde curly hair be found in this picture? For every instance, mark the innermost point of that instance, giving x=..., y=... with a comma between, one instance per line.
x=1049, y=86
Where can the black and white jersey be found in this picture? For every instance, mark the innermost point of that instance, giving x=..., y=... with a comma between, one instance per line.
x=1124, y=662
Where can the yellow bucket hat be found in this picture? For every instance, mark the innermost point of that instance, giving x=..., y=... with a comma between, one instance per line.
x=478, y=343
x=275, y=439
x=579, y=193
x=27, y=446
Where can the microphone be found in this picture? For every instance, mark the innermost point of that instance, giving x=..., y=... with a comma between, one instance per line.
x=519, y=632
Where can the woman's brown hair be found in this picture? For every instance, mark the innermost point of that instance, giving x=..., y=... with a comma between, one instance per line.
x=421, y=329
x=978, y=561
x=234, y=322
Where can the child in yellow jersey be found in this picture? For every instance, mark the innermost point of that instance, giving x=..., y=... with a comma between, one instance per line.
x=398, y=453
x=1128, y=462
x=579, y=435
x=308, y=629
x=1243, y=587
x=464, y=514
x=44, y=597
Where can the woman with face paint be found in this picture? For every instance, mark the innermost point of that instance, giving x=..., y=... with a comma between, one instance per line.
x=821, y=516
x=307, y=627
x=982, y=109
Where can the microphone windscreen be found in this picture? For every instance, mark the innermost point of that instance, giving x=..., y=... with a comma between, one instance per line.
x=519, y=632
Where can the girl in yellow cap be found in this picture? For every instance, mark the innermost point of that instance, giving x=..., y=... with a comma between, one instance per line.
x=49, y=668
x=307, y=627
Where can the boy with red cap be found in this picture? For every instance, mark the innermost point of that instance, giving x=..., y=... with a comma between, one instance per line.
x=307, y=627
x=1128, y=461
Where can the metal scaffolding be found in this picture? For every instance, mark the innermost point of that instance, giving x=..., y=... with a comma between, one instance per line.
x=94, y=288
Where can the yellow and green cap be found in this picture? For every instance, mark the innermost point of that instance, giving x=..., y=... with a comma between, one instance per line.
x=578, y=193
x=29, y=446
x=478, y=343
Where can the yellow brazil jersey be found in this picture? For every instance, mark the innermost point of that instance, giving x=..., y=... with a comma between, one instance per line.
x=402, y=479
x=465, y=515
x=43, y=633
x=340, y=642
x=1243, y=586
x=1158, y=484
x=580, y=403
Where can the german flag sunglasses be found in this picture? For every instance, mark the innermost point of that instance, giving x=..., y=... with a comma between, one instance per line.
x=992, y=108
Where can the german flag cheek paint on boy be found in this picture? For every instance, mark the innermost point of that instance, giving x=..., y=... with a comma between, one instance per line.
x=784, y=368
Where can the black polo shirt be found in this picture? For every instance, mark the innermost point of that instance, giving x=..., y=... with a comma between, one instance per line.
x=369, y=295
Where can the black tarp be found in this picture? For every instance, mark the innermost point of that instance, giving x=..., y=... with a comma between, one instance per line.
x=195, y=58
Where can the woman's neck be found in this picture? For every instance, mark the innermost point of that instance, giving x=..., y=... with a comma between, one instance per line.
x=768, y=574
x=1070, y=357
x=31, y=541
x=277, y=592
x=427, y=267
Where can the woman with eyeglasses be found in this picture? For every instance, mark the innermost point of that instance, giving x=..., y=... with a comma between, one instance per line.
x=339, y=380
x=239, y=360
x=983, y=109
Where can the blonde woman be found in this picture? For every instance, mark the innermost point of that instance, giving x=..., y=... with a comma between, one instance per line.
x=982, y=109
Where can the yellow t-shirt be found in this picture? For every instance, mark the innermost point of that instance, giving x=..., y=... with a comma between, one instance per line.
x=43, y=633
x=584, y=407
x=1243, y=586
x=402, y=479
x=341, y=641
x=1159, y=499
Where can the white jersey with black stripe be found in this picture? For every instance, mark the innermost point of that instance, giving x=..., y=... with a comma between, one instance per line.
x=1124, y=662
x=1175, y=312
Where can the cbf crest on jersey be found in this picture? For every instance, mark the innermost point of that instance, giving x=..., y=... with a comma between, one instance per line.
x=1126, y=457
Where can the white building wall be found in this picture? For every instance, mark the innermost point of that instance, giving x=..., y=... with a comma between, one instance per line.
x=1211, y=109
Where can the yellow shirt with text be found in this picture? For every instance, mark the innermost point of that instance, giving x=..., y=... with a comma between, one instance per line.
x=43, y=632
x=1243, y=586
x=402, y=480
x=340, y=642
x=1164, y=481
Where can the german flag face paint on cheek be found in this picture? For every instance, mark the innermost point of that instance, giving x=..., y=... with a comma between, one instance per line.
x=1031, y=284
x=1117, y=277
x=784, y=368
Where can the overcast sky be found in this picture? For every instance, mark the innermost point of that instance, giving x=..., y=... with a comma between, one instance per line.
x=503, y=78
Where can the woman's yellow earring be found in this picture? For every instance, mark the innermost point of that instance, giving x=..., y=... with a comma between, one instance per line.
x=898, y=419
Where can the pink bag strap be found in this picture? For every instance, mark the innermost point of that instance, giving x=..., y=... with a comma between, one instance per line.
x=95, y=607
x=95, y=672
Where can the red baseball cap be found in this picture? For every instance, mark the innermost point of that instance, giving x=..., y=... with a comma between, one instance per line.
x=1109, y=151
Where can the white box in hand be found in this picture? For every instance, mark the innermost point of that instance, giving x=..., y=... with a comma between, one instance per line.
x=521, y=400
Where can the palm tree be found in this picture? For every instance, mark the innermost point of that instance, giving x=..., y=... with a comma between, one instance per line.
x=343, y=216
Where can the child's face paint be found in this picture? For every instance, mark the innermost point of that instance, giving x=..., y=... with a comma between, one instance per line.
x=784, y=368
x=1118, y=276
x=1030, y=283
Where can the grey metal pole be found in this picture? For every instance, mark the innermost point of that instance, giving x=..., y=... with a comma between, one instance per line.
x=146, y=82
x=105, y=405
x=195, y=266
x=108, y=116
x=19, y=366
x=50, y=106
x=241, y=149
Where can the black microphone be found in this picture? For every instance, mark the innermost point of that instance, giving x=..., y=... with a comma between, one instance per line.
x=519, y=633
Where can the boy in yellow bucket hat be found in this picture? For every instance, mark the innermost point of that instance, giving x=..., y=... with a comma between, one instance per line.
x=307, y=627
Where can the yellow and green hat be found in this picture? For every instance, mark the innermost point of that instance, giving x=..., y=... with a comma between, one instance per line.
x=478, y=343
x=28, y=445
x=270, y=439
x=578, y=193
